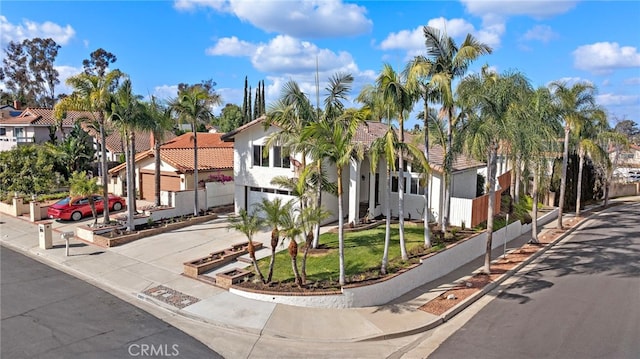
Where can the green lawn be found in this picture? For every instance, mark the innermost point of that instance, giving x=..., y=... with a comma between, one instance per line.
x=362, y=253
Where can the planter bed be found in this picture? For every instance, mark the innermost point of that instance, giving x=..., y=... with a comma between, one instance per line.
x=217, y=259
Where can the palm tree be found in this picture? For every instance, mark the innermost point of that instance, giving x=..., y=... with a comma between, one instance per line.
x=82, y=186
x=420, y=79
x=400, y=100
x=335, y=143
x=162, y=122
x=489, y=98
x=292, y=228
x=193, y=106
x=248, y=224
x=576, y=104
x=128, y=115
x=448, y=62
x=273, y=212
x=93, y=94
x=310, y=218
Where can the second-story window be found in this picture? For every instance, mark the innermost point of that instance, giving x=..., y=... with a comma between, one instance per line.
x=259, y=157
x=280, y=158
x=3, y=131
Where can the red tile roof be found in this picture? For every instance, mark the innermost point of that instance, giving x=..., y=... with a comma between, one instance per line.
x=213, y=153
x=44, y=117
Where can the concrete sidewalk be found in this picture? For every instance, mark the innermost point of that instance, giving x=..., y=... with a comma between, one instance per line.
x=150, y=269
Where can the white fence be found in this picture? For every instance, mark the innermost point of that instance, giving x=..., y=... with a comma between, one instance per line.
x=460, y=212
x=430, y=268
x=219, y=194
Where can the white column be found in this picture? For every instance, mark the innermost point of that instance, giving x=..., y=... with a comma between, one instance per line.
x=354, y=191
x=372, y=195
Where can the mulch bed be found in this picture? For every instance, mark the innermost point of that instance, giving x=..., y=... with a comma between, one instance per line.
x=468, y=287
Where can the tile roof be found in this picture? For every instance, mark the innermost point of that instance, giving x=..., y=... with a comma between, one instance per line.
x=231, y=134
x=213, y=153
x=43, y=117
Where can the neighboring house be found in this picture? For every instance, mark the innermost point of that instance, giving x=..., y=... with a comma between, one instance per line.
x=32, y=125
x=364, y=191
x=627, y=163
x=215, y=158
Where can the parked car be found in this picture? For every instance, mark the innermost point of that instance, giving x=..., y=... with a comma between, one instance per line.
x=75, y=208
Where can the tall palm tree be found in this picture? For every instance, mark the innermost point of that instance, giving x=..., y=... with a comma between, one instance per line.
x=595, y=126
x=273, y=212
x=400, y=101
x=576, y=104
x=249, y=225
x=449, y=62
x=310, y=218
x=292, y=228
x=193, y=106
x=83, y=186
x=128, y=115
x=490, y=96
x=335, y=142
x=93, y=94
x=422, y=80
x=162, y=123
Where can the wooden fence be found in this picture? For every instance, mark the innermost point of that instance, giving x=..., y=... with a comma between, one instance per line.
x=479, y=205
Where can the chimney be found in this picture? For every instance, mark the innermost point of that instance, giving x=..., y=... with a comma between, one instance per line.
x=16, y=104
x=152, y=140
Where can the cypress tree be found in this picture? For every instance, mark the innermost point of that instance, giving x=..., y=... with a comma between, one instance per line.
x=262, y=100
x=256, y=106
x=244, y=102
x=249, y=112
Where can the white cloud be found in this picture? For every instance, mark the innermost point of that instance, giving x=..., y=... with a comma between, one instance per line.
x=305, y=18
x=165, y=92
x=231, y=46
x=604, y=57
x=610, y=99
x=30, y=29
x=534, y=8
x=409, y=40
x=64, y=72
x=542, y=33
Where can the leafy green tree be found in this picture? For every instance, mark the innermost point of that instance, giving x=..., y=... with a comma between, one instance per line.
x=450, y=62
x=75, y=151
x=80, y=185
x=230, y=118
x=249, y=225
x=273, y=212
x=576, y=104
x=193, y=106
x=93, y=94
x=98, y=62
x=28, y=71
x=27, y=169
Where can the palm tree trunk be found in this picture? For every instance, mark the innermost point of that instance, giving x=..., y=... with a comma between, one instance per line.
x=563, y=178
x=340, y=228
x=156, y=154
x=303, y=269
x=427, y=237
x=130, y=187
x=403, y=247
x=104, y=175
x=316, y=237
x=579, y=194
x=132, y=158
x=518, y=179
x=293, y=253
x=196, y=208
x=449, y=161
x=252, y=254
x=275, y=238
x=491, y=170
x=387, y=232
x=534, y=219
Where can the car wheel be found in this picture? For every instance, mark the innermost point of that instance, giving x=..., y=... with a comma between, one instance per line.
x=117, y=206
x=76, y=216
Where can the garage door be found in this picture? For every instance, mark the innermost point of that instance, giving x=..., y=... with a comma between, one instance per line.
x=167, y=183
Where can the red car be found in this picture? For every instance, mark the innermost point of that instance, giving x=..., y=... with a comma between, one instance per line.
x=78, y=207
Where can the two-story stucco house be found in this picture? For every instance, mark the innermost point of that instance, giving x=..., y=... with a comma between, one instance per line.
x=364, y=190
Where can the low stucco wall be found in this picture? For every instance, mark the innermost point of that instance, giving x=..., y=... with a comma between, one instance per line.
x=431, y=267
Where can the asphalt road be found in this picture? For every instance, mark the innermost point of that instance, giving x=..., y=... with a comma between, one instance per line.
x=50, y=314
x=581, y=301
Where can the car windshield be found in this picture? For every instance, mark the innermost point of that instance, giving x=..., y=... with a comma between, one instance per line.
x=64, y=201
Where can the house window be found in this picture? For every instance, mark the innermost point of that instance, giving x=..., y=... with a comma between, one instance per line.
x=395, y=183
x=259, y=157
x=278, y=159
x=18, y=132
x=3, y=131
x=404, y=164
x=415, y=187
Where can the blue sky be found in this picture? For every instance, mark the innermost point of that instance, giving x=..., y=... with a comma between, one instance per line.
x=162, y=43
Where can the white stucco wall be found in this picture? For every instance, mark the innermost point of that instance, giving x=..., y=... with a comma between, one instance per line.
x=464, y=184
